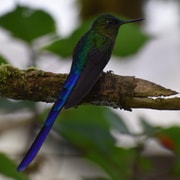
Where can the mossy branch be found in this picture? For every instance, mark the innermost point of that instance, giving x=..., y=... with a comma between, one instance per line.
x=111, y=90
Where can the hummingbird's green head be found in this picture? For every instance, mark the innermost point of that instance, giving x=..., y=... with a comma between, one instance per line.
x=108, y=25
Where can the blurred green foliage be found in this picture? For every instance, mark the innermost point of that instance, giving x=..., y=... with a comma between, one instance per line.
x=8, y=168
x=28, y=24
x=10, y=106
x=63, y=47
x=3, y=60
x=130, y=40
x=89, y=129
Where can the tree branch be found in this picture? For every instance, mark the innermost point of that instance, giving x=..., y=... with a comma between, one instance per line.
x=110, y=90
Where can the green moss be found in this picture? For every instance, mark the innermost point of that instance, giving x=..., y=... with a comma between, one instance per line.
x=10, y=73
x=32, y=68
x=35, y=71
x=4, y=73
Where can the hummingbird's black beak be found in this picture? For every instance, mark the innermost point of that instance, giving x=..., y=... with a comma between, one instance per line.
x=132, y=20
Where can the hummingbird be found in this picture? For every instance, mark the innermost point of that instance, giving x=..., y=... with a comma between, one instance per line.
x=90, y=56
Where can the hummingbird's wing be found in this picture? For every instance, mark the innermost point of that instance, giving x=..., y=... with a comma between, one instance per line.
x=35, y=147
x=97, y=60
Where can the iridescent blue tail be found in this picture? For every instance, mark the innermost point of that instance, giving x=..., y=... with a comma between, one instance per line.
x=35, y=147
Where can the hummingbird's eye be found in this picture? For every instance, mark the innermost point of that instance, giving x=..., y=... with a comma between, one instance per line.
x=110, y=22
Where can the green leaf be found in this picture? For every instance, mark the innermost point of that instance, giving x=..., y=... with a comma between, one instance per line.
x=64, y=47
x=10, y=106
x=88, y=128
x=3, y=60
x=28, y=24
x=9, y=168
x=117, y=122
x=130, y=39
x=116, y=164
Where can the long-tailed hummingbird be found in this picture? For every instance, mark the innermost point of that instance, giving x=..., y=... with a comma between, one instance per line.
x=90, y=56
